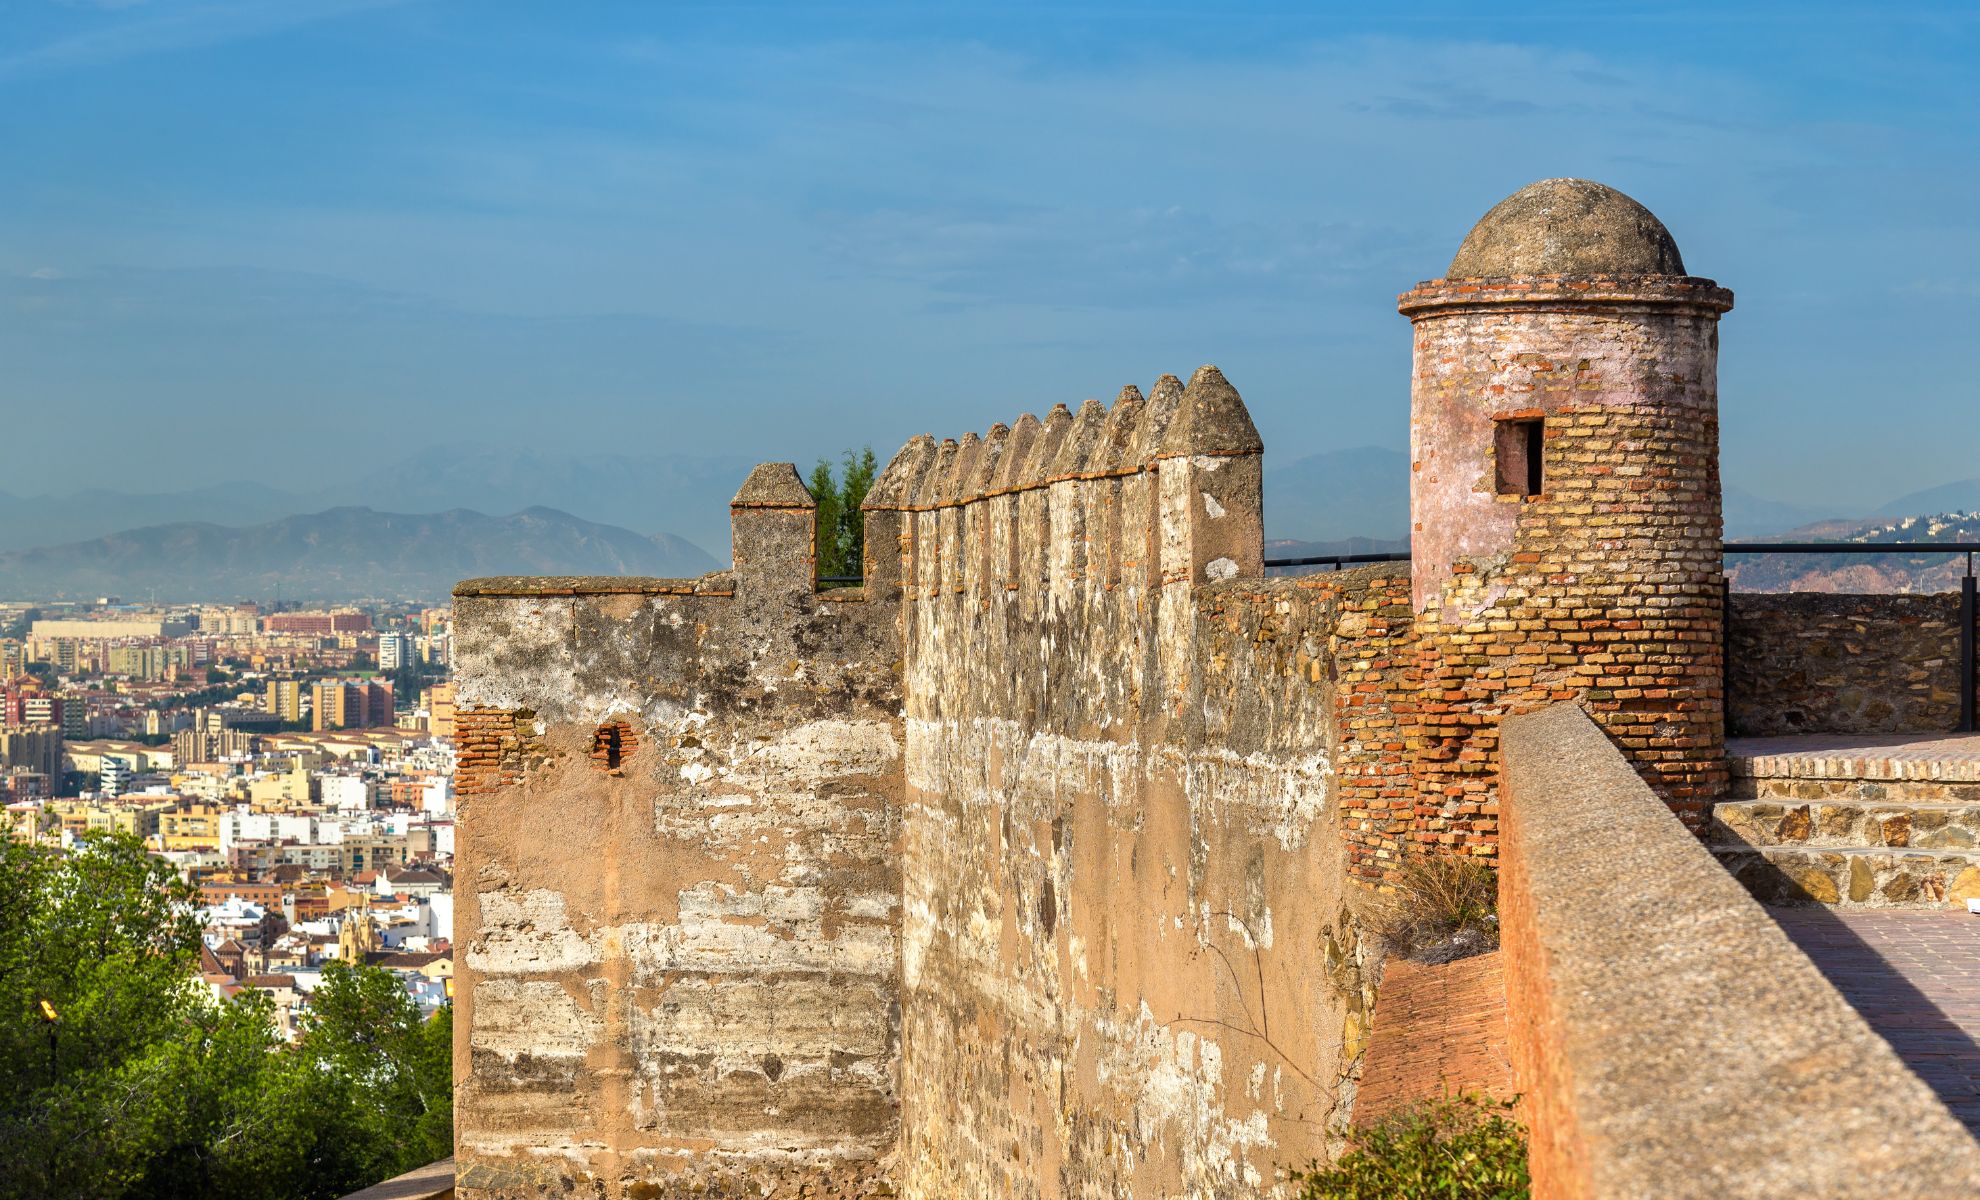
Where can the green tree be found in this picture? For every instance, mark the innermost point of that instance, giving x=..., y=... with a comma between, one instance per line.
x=157, y=1090
x=391, y=1066
x=841, y=525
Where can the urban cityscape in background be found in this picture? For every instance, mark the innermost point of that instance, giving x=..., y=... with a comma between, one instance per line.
x=293, y=764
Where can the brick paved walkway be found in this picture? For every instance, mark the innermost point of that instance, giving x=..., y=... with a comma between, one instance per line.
x=1437, y=1029
x=1914, y=974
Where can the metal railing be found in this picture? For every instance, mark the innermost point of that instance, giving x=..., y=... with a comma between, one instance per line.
x=1337, y=561
x=1967, y=594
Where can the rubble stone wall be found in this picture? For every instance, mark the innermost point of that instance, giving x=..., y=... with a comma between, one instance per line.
x=1822, y=663
x=1128, y=964
x=679, y=807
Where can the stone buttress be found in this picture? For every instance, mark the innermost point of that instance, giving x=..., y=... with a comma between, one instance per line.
x=679, y=890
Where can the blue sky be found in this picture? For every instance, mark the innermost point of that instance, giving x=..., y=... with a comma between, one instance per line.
x=262, y=240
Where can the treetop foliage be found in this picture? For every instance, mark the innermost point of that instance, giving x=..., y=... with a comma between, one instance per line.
x=149, y=1087
x=841, y=526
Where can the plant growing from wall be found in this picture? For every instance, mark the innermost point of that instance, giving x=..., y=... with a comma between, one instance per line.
x=1459, y=1147
x=1443, y=907
x=841, y=525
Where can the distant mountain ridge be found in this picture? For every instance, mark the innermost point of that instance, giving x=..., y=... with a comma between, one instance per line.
x=1324, y=499
x=685, y=494
x=340, y=554
x=1860, y=573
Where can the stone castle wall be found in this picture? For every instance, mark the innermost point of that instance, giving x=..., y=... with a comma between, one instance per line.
x=1128, y=963
x=1818, y=663
x=679, y=807
x=1031, y=867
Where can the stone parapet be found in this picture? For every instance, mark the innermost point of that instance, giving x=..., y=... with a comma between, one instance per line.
x=435, y=1181
x=1837, y=664
x=1644, y=292
x=1667, y=1037
x=1167, y=488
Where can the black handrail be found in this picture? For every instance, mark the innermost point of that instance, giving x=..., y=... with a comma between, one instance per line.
x=1968, y=602
x=1852, y=548
x=1337, y=560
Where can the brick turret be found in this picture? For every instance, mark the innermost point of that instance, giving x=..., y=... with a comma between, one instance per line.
x=1564, y=501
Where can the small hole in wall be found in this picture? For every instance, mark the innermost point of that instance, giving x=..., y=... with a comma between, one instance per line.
x=1518, y=451
x=611, y=744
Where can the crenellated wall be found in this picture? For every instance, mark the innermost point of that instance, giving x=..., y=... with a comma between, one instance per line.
x=679, y=808
x=1128, y=964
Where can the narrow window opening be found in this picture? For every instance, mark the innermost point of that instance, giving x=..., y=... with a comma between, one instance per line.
x=1517, y=448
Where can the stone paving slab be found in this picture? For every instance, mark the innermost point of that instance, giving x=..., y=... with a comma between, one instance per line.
x=1944, y=757
x=1914, y=974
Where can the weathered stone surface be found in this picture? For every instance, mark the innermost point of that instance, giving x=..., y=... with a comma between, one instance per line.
x=680, y=972
x=1567, y=227
x=1680, y=1045
x=1818, y=663
x=1119, y=873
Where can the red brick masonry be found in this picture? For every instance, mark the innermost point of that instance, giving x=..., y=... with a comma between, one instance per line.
x=1438, y=1029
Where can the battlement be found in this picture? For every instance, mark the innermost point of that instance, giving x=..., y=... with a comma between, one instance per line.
x=1157, y=490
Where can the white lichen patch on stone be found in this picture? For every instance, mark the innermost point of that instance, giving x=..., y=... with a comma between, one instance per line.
x=521, y=935
x=536, y=1018
x=1175, y=1079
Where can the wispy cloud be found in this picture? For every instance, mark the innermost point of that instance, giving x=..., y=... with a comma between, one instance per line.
x=162, y=29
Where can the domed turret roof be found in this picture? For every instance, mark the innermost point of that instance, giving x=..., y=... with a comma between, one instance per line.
x=1567, y=227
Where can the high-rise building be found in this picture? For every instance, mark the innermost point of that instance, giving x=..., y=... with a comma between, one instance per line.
x=342, y=705
x=394, y=651
x=440, y=710
x=285, y=699
x=142, y=662
x=39, y=708
x=35, y=748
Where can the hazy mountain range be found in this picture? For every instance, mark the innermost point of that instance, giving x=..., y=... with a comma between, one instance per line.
x=341, y=553
x=414, y=527
x=687, y=495
x=1862, y=572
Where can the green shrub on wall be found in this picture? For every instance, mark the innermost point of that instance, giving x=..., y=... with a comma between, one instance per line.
x=1462, y=1147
